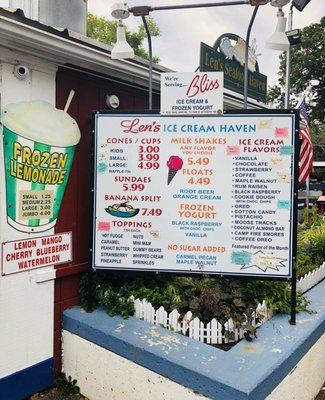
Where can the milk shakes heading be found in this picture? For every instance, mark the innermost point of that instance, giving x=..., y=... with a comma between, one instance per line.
x=39, y=142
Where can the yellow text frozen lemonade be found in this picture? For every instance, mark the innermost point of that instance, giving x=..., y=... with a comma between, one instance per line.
x=39, y=142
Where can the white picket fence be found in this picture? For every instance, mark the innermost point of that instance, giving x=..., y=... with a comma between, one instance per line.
x=214, y=332
x=311, y=279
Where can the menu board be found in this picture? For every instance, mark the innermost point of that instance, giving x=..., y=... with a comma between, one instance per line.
x=195, y=194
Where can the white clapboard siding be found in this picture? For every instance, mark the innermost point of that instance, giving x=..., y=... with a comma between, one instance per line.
x=214, y=332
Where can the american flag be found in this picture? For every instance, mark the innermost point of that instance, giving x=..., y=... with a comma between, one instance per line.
x=306, y=148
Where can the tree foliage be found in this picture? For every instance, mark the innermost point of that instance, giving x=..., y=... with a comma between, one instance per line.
x=104, y=30
x=307, y=64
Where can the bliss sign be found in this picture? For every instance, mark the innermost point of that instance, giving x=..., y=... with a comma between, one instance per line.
x=192, y=93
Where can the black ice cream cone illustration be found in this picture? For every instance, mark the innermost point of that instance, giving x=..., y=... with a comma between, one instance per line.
x=174, y=164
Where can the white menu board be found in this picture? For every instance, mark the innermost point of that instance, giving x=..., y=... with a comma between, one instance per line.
x=196, y=194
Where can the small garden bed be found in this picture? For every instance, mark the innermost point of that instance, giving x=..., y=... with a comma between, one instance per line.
x=231, y=303
x=65, y=388
x=55, y=394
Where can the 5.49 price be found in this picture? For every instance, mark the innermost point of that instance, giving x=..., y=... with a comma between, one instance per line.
x=198, y=161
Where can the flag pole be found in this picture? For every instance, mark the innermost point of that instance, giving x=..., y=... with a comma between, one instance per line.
x=293, y=299
x=287, y=76
x=307, y=196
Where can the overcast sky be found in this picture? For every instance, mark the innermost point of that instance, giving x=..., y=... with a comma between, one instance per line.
x=182, y=31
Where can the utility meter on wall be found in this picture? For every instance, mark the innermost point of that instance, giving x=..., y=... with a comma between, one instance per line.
x=112, y=101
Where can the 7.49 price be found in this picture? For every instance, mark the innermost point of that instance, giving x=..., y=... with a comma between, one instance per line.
x=154, y=212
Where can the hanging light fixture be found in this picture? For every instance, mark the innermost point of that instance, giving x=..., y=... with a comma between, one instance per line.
x=300, y=4
x=121, y=48
x=279, y=40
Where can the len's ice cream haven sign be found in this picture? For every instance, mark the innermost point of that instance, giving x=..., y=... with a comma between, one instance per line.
x=196, y=193
x=39, y=142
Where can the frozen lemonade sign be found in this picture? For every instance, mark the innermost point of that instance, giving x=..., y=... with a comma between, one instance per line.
x=39, y=143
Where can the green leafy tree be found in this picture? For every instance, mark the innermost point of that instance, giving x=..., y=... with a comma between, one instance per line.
x=307, y=64
x=104, y=30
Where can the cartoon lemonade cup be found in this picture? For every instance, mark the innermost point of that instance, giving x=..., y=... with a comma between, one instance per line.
x=39, y=142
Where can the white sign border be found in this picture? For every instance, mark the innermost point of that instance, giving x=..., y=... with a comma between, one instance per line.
x=294, y=114
x=43, y=266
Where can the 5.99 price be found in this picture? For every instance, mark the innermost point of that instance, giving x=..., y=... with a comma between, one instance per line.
x=133, y=187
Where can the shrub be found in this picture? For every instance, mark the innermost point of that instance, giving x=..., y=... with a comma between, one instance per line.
x=310, y=248
x=206, y=297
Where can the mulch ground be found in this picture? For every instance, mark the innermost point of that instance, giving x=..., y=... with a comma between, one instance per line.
x=321, y=394
x=54, y=394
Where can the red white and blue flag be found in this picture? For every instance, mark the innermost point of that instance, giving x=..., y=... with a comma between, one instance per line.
x=306, y=148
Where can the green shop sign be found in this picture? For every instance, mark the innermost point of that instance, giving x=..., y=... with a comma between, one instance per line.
x=229, y=58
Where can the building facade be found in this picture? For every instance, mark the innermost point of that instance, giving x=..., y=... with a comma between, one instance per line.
x=55, y=61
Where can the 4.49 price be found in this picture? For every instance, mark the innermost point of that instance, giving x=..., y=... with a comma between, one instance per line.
x=199, y=181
